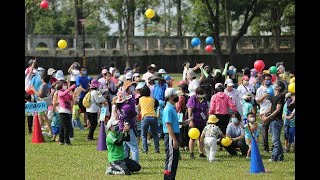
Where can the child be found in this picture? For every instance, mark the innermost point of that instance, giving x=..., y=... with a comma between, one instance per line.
x=286, y=122
x=291, y=118
x=29, y=115
x=209, y=136
x=246, y=107
x=119, y=165
x=76, y=116
x=251, y=129
x=55, y=124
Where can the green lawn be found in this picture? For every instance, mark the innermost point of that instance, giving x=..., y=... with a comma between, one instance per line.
x=50, y=160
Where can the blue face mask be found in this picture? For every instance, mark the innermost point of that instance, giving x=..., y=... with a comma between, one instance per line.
x=268, y=82
x=234, y=120
x=84, y=72
x=156, y=82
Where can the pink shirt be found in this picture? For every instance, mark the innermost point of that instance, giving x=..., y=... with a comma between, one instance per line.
x=219, y=104
x=64, y=99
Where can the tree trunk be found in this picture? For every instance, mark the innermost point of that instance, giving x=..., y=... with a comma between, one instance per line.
x=179, y=23
x=216, y=21
x=77, y=28
x=169, y=21
x=165, y=15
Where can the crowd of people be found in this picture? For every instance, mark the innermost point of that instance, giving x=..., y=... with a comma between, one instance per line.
x=146, y=106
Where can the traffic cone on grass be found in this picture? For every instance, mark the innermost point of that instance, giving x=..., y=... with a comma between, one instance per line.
x=102, y=146
x=256, y=164
x=37, y=133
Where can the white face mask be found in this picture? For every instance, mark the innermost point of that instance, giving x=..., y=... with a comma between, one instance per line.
x=251, y=119
x=64, y=87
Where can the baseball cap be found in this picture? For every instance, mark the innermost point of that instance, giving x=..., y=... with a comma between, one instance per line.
x=140, y=85
x=135, y=75
x=40, y=69
x=162, y=71
x=112, y=122
x=170, y=92
x=217, y=85
x=228, y=82
x=104, y=71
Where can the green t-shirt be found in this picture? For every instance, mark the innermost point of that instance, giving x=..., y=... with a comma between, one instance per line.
x=75, y=112
x=115, y=153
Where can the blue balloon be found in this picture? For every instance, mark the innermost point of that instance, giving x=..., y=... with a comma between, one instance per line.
x=167, y=77
x=195, y=42
x=270, y=91
x=209, y=40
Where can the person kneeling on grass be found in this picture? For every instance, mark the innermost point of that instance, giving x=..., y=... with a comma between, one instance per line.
x=119, y=165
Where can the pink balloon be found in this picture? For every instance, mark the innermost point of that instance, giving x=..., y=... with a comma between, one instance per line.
x=259, y=65
x=208, y=48
x=44, y=4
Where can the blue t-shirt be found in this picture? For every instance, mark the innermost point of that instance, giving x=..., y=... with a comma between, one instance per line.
x=84, y=81
x=246, y=108
x=36, y=83
x=158, y=92
x=169, y=115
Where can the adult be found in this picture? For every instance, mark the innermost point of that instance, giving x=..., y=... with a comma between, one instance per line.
x=274, y=117
x=193, y=82
x=92, y=111
x=172, y=134
x=198, y=113
x=181, y=107
x=219, y=105
x=148, y=74
x=234, y=95
x=136, y=68
x=83, y=83
x=264, y=102
x=74, y=72
x=146, y=107
x=186, y=68
x=236, y=132
x=208, y=82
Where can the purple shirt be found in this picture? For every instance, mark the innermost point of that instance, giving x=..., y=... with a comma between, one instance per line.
x=127, y=114
x=198, y=107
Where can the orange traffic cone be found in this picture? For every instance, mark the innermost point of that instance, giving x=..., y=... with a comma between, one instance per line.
x=37, y=133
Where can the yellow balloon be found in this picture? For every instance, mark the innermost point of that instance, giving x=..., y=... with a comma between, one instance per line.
x=62, y=44
x=292, y=80
x=194, y=133
x=150, y=13
x=226, y=141
x=292, y=87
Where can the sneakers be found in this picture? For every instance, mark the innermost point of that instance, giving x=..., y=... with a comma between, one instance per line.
x=191, y=155
x=148, y=142
x=108, y=171
x=166, y=172
x=202, y=155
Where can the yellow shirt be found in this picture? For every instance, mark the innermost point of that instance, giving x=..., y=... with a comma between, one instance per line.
x=146, y=106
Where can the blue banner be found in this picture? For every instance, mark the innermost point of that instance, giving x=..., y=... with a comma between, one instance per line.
x=35, y=107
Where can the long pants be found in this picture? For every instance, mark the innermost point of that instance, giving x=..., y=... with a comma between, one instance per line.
x=132, y=146
x=184, y=137
x=277, y=151
x=65, y=128
x=265, y=131
x=30, y=123
x=223, y=122
x=172, y=157
x=210, y=146
x=126, y=166
x=238, y=144
x=93, y=119
x=149, y=121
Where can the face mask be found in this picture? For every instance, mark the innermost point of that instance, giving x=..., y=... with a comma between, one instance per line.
x=251, y=119
x=176, y=99
x=245, y=83
x=84, y=72
x=200, y=96
x=64, y=87
x=117, y=75
x=234, y=120
x=156, y=82
x=268, y=82
x=40, y=73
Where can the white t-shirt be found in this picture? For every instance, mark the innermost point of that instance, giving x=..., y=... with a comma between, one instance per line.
x=243, y=90
x=74, y=74
x=193, y=85
x=184, y=73
x=146, y=76
x=235, y=98
x=265, y=104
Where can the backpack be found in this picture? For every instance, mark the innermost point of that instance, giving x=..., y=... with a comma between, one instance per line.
x=87, y=100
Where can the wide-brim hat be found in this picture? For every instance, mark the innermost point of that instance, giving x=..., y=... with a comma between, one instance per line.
x=212, y=119
x=122, y=96
x=94, y=83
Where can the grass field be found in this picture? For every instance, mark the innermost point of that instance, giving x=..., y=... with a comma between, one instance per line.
x=81, y=160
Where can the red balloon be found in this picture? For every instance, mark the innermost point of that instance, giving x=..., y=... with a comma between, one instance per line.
x=29, y=91
x=208, y=48
x=259, y=65
x=44, y=4
x=273, y=76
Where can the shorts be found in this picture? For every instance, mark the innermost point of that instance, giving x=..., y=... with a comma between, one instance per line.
x=55, y=130
x=292, y=132
x=81, y=107
x=286, y=132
